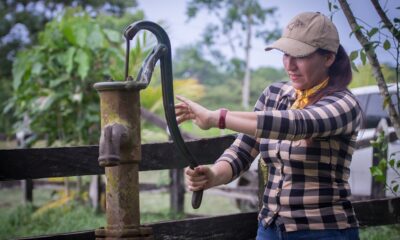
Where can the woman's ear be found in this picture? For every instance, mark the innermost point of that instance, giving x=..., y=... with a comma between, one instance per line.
x=329, y=59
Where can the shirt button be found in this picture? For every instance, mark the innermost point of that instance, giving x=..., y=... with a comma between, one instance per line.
x=278, y=192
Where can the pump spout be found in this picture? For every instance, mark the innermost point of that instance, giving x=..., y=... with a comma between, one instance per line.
x=113, y=137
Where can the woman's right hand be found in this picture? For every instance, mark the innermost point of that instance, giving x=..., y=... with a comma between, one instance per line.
x=199, y=178
x=201, y=116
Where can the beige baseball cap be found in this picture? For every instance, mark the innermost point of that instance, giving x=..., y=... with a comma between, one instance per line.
x=305, y=33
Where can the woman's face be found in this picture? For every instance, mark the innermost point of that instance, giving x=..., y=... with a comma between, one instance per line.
x=306, y=72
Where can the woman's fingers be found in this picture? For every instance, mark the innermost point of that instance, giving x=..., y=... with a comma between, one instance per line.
x=196, y=179
x=183, y=99
x=179, y=111
x=184, y=117
x=196, y=186
x=181, y=105
x=182, y=110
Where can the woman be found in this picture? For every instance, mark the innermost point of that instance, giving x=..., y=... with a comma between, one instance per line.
x=304, y=130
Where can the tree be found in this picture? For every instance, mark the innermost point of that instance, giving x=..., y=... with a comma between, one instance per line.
x=53, y=79
x=365, y=35
x=235, y=17
x=189, y=62
x=20, y=23
x=22, y=20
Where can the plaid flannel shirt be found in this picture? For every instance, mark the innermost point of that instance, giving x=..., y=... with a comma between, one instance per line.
x=307, y=184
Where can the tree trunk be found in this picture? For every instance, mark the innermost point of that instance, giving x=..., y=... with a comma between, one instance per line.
x=388, y=24
x=373, y=60
x=247, y=74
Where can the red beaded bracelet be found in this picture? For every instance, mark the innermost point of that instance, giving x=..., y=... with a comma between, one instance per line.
x=222, y=117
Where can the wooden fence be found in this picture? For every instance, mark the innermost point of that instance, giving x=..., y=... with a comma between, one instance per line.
x=19, y=164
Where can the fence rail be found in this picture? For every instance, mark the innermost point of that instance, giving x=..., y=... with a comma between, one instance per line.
x=18, y=164
x=34, y=163
x=244, y=225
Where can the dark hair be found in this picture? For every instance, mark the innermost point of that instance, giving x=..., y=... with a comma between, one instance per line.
x=339, y=72
x=340, y=76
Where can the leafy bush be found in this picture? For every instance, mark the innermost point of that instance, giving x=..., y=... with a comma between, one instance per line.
x=53, y=80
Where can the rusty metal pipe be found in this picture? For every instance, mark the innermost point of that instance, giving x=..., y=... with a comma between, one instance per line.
x=120, y=154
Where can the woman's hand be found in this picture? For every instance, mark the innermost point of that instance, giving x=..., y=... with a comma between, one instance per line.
x=201, y=177
x=189, y=110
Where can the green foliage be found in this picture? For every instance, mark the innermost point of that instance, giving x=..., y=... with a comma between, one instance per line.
x=239, y=22
x=53, y=80
x=364, y=76
x=189, y=62
x=380, y=232
x=30, y=17
x=238, y=13
x=262, y=78
x=235, y=18
x=378, y=172
x=384, y=34
x=33, y=15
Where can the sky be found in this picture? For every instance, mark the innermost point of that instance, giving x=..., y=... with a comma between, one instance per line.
x=182, y=32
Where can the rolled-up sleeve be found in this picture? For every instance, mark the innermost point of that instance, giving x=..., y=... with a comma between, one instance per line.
x=337, y=114
x=245, y=148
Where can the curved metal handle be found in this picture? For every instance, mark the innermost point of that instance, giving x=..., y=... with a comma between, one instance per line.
x=167, y=87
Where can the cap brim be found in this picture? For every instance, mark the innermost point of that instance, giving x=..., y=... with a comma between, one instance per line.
x=292, y=47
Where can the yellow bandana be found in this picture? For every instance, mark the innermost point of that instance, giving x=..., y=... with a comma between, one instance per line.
x=302, y=96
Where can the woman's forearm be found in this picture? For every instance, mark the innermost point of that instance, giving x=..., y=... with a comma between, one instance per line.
x=223, y=173
x=243, y=122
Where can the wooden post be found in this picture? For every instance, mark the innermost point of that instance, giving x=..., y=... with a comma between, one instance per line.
x=27, y=190
x=26, y=185
x=177, y=191
x=95, y=192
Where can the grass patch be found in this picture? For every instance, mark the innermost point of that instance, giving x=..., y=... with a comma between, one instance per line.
x=17, y=220
x=389, y=232
x=21, y=221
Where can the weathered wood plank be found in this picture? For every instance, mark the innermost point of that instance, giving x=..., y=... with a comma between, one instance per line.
x=227, y=227
x=235, y=226
x=244, y=225
x=81, y=235
x=17, y=164
x=378, y=211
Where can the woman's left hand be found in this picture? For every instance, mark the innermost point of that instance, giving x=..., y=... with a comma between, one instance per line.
x=189, y=110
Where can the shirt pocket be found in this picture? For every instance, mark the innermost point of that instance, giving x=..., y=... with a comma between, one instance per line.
x=316, y=150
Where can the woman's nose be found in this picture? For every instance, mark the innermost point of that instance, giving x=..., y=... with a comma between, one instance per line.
x=290, y=62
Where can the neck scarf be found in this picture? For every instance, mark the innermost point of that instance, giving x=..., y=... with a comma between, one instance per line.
x=302, y=97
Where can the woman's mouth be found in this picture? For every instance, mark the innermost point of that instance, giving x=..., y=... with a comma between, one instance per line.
x=294, y=77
